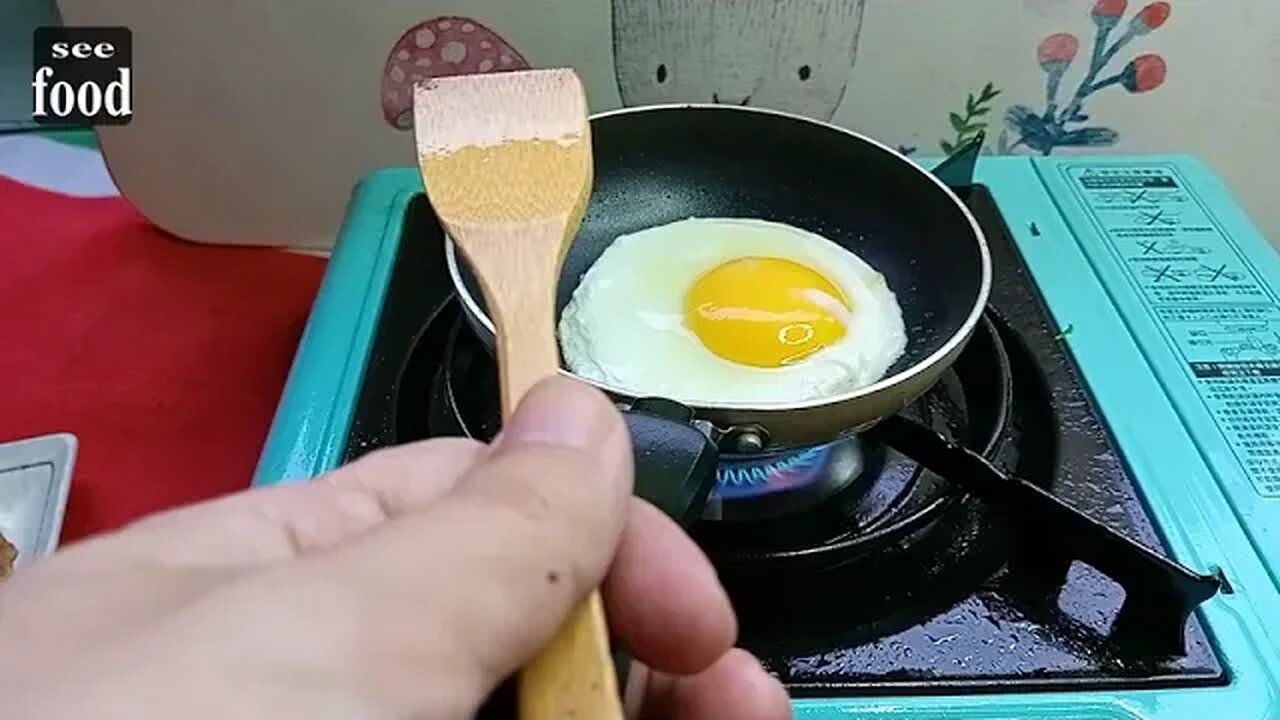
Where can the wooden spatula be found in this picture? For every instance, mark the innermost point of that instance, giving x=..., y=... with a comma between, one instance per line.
x=506, y=162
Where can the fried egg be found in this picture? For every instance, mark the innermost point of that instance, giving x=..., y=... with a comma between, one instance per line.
x=718, y=310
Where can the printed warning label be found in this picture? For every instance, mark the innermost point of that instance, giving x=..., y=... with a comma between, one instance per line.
x=1217, y=314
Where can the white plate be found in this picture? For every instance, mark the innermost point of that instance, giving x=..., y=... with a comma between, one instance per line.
x=35, y=477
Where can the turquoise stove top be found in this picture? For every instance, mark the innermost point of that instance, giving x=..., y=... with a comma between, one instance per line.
x=1167, y=298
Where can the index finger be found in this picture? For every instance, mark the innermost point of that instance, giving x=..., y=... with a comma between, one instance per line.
x=267, y=525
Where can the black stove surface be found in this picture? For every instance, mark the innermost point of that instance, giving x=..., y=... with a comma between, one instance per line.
x=863, y=574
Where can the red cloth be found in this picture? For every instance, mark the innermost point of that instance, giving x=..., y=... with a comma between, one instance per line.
x=164, y=357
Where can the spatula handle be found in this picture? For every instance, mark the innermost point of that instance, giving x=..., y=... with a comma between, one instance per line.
x=573, y=677
x=526, y=348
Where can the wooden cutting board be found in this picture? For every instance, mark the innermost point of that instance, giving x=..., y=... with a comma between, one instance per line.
x=253, y=121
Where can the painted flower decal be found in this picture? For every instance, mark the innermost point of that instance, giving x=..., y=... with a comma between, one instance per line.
x=1150, y=17
x=1057, y=51
x=1065, y=124
x=1107, y=13
x=1144, y=73
x=1055, y=54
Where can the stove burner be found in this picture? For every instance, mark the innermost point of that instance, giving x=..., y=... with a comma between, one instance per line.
x=894, y=503
x=813, y=508
x=747, y=486
x=754, y=487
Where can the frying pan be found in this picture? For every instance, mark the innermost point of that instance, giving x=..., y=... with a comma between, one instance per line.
x=659, y=164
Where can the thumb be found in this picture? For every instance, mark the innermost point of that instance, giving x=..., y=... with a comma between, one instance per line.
x=471, y=588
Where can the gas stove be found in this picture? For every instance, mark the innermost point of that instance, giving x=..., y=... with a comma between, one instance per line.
x=1128, y=364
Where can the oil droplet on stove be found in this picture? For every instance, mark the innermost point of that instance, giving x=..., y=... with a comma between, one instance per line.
x=899, y=648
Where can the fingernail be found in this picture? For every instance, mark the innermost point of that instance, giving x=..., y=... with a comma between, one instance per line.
x=560, y=411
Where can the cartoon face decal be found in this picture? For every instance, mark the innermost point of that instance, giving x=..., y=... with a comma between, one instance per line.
x=793, y=55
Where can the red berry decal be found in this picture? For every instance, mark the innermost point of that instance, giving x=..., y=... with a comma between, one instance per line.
x=1057, y=48
x=1153, y=16
x=1110, y=8
x=1144, y=73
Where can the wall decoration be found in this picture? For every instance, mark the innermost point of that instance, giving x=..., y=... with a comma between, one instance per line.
x=971, y=120
x=440, y=47
x=1045, y=7
x=792, y=55
x=1065, y=123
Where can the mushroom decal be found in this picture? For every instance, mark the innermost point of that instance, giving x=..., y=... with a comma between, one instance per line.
x=440, y=47
x=792, y=55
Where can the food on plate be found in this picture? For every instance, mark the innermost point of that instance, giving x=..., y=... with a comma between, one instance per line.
x=728, y=310
x=8, y=557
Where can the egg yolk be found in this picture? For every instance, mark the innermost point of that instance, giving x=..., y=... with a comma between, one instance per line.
x=765, y=312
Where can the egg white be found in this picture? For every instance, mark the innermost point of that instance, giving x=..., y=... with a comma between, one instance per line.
x=624, y=325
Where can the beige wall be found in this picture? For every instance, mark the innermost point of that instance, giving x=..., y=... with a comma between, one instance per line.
x=278, y=128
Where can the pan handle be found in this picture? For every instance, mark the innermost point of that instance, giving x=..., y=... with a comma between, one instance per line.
x=675, y=460
x=675, y=470
x=1159, y=594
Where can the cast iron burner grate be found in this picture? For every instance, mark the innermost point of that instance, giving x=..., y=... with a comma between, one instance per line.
x=886, y=585
x=862, y=497
x=841, y=498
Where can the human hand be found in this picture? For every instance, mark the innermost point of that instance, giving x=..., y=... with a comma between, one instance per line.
x=408, y=584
